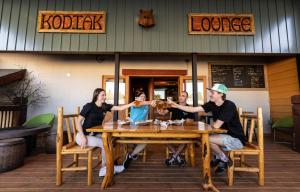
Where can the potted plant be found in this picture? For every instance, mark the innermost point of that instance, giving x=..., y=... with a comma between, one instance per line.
x=24, y=93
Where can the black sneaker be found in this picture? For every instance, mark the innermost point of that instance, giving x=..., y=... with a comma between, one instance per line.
x=222, y=166
x=181, y=162
x=170, y=161
x=134, y=157
x=127, y=161
x=214, y=162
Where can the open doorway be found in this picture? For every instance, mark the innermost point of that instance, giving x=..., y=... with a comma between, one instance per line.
x=158, y=88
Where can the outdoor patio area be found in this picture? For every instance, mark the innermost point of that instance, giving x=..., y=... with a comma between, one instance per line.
x=282, y=171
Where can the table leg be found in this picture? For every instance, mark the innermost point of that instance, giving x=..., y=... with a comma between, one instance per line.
x=208, y=185
x=108, y=147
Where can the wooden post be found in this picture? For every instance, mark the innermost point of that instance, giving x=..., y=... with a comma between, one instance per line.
x=195, y=82
x=59, y=143
x=116, y=88
x=261, y=166
x=76, y=156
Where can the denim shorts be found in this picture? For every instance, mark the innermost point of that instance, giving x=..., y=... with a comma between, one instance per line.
x=231, y=143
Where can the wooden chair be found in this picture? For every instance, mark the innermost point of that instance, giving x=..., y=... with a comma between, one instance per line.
x=71, y=148
x=249, y=149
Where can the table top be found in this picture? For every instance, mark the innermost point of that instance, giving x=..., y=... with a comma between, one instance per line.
x=187, y=127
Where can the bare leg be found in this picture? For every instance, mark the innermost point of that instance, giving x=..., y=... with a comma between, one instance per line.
x=180, y=148
x=138, y=149
x=216, y=141
x=172, y=148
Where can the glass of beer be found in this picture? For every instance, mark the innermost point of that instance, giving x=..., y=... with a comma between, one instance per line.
x=137, y=101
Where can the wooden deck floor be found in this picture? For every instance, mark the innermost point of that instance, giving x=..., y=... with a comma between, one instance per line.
x=282, y=173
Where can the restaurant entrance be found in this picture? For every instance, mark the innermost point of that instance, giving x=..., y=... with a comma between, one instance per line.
x=158, y=88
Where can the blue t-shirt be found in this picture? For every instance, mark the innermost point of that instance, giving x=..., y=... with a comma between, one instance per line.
x=139, y=113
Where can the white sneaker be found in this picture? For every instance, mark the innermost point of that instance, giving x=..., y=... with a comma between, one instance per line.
x=102, y=172
x=117, y=169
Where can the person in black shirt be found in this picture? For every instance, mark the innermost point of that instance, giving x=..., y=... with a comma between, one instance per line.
x=178, y=114
x=225, y=116
x=92, y=114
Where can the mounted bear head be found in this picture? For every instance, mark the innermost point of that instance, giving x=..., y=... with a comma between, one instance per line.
x=146, y=18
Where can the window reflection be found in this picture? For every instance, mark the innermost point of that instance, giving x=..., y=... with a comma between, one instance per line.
x=109, y=85
x=188, y=87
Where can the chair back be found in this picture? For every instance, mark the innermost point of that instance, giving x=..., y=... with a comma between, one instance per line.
x=254, y=120
x=69, y=123
x=260, y=128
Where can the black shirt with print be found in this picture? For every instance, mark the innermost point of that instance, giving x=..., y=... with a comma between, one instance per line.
x=93, y=115
x=180, y=114
x=227, y=113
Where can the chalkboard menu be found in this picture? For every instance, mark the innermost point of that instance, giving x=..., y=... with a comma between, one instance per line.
x=238, y=76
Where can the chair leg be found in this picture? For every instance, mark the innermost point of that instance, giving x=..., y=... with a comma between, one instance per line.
x=90, y=168
x=125, y=149
x=118, y=152
x=261, y=166
x=186, y=154
x=58, y=169
x=192, y=154
x=75, y=159
x=167, y=153
x=230, y=169
x=242, y=160
x=144, y=155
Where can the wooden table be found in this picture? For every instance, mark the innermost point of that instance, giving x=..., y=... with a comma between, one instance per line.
x=190, y=130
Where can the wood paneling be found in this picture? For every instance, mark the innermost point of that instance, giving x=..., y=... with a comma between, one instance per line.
x=277, y=26
x=283, y=83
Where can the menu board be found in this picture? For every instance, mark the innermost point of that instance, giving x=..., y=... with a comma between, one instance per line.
x=238, y=76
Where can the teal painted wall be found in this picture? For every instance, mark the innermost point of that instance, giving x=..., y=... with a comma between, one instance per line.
x=277, y=24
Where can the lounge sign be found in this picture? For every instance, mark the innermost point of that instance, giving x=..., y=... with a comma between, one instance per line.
x=221, y=24
x=72, y=21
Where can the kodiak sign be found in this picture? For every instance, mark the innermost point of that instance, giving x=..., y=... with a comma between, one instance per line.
x=72, y=21
x=221, y=24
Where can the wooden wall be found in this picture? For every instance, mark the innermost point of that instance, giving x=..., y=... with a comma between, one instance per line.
x=277, y=24
x=283, y=83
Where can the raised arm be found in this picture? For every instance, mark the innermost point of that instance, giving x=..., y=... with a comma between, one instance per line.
x=187, y=108
x=122, y=107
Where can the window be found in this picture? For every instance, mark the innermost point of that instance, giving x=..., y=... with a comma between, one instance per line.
x=201, y=86
x=159, y=94
x=108, y=84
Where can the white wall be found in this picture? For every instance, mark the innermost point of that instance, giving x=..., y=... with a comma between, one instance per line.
x=72, y=91
x=86, y=74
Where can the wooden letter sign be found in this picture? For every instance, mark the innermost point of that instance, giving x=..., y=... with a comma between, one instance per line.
x=221, y=24
x=71, y=21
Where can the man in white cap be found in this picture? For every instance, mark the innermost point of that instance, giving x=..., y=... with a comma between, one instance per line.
x=225, y=116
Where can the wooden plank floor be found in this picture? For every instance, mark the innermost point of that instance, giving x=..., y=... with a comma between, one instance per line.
x=282, y=173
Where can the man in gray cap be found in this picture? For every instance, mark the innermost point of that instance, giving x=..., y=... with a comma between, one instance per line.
x=225, y=116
